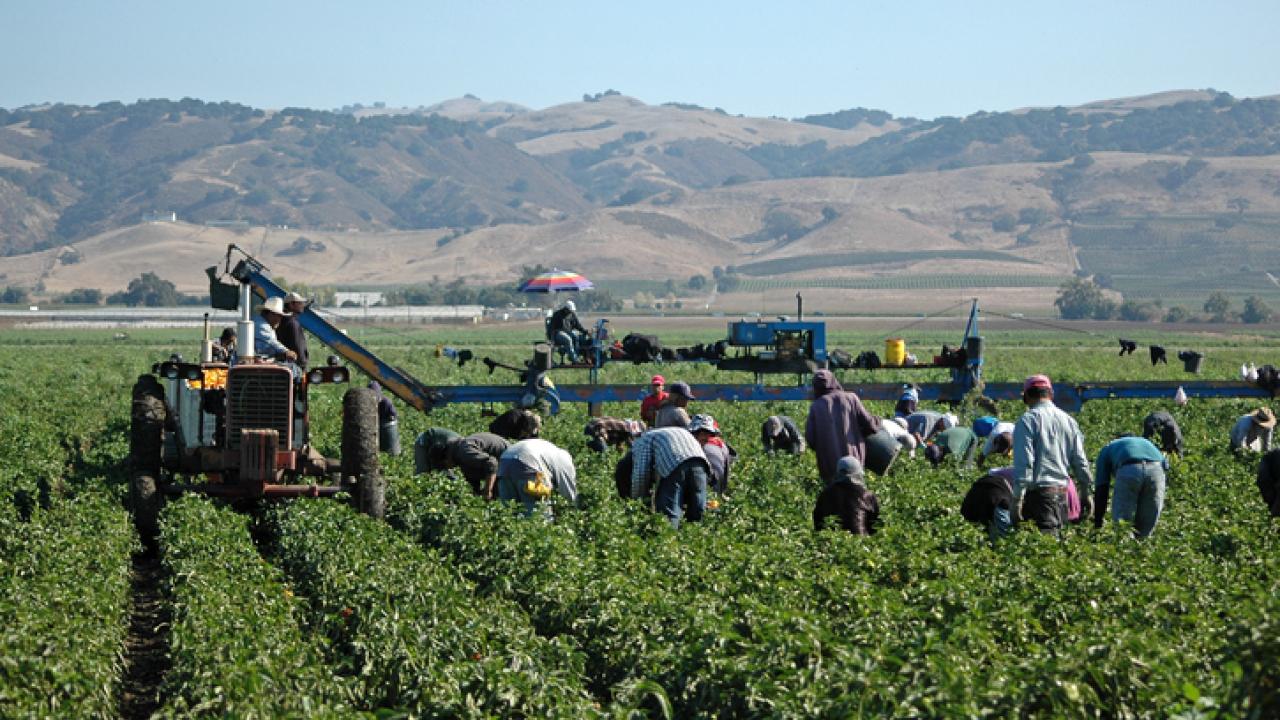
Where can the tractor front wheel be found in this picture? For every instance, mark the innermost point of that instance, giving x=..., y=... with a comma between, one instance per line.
x=360, y=450
x=146, y=436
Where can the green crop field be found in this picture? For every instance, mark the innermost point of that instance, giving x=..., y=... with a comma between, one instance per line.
x=457, y=607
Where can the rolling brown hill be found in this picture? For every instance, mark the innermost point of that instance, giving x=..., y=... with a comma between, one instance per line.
x=633, y=193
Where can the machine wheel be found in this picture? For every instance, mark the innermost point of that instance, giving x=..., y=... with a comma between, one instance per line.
x=146, y=437
x=360, y=450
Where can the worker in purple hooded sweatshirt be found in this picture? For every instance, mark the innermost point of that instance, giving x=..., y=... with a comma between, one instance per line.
x=838, y=424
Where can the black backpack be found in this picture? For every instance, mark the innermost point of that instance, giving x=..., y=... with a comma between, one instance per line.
x=641, y=348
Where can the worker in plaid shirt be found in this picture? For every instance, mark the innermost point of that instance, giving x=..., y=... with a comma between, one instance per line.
x=674, y=456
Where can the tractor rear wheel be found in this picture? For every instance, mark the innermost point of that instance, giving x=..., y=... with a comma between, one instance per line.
x=360, y=450
x=146, y=437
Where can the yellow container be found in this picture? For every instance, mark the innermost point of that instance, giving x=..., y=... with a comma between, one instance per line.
x=895, y=351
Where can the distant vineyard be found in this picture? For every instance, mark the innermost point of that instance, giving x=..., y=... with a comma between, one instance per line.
x=907, y=282
x=802, y=263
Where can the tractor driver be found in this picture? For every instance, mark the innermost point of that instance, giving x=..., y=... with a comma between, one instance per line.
x=265, y=342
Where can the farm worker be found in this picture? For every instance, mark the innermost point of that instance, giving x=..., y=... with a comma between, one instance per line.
x=1048, y=450
x=386, y=410
x=720, y=456
x=224, y=348
x=672, y=412
x=265, y=342
x=1161, y=424
x=958, y=442
x=290, y=330
x=649, y=406
x=1269, y=481
x=847, y=498
x=530, y=470
x=908, y=402
x=838, y=425
x=674, y=457
x=989, y=429
x=997, y=445
x=517, y=424
x=563, y=328
x=1253, y=431
x=924, y=424
x=897, y=429
x=779, y=433
x=477, y=456
x=989, y=502
x=605, y=432
x=1138, y=468
x=388, y=429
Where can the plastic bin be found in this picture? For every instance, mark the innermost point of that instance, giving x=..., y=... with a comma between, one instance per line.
x=895, y=352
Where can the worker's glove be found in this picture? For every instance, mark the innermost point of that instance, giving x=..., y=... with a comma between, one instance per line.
x=1086, y=506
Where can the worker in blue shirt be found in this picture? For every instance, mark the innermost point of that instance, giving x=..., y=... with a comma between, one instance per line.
x=1138, y=468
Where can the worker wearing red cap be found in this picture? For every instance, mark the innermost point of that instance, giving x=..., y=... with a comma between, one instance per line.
x=1048, y=451
x=649, y=406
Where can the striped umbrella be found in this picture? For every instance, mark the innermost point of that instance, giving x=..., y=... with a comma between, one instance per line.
x=556, y=281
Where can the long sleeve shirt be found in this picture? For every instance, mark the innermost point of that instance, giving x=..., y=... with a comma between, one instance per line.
x=721, y=462
x=857, y=508
x=542, y=456
x=291, y=336
x=478, y=456
x=1048, y=450
x=838, y=425
x=659, y=452
x=924, y=423
x=780, y=432
x=959, y=442
x=1249, y=435
x=265, y=342
x=1115, y=454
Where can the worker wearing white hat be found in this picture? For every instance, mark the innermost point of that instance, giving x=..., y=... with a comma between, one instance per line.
x=265, y=342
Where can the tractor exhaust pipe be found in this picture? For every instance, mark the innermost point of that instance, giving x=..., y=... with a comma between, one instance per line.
x=244, y=328
x=206, y=347
x=799, y=307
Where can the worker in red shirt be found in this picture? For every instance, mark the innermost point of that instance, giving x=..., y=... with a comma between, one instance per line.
x=649, y=406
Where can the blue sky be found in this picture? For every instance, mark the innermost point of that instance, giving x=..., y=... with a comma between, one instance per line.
x=921, y=58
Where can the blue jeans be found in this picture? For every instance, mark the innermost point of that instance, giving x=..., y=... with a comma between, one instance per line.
x=566, y=344
x=1000, y=524
x=1139, y=496
x=685, y=486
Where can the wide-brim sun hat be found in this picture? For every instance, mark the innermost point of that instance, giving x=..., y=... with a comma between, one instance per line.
x=275, y=305
x=703, y=421
x=1264, y=418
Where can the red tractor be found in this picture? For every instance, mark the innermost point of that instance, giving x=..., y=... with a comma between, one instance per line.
x=245, y=429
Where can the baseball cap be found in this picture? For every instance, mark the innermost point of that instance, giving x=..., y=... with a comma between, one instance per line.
x=1037, y=381
x=658, y=380
x=682, y=389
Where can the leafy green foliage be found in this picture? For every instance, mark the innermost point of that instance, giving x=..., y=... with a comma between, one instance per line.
x=64, y=604
x=413, y=632
x=607, y=609
x=236, y=643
